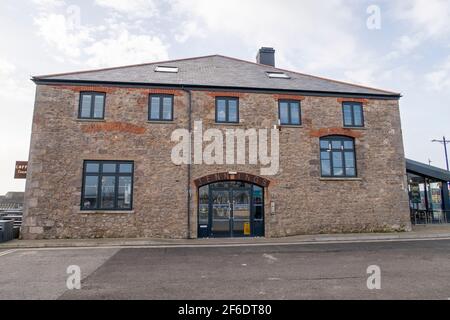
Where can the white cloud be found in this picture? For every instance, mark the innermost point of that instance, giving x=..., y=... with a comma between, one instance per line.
x=132, y=8
x=16, y=100
x=110, y=43
x=429, y=16
x=408, y=43
x=125, y=48
x=187, y=30
x=7, y=84
x=425, y=19
x=48, y=4
x=56, y=31
x=292, y=27
x=10, y=88
x=439, y=79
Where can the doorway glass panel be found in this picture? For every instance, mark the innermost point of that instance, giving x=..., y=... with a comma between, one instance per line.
x=241, y=212
x=221, y=212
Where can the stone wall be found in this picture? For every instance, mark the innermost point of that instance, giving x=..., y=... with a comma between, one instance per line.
x=304, y=203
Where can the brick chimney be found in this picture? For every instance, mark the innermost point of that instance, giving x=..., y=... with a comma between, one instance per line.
x=266, y=56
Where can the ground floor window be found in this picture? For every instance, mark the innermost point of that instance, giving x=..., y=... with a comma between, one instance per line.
x=107, y=185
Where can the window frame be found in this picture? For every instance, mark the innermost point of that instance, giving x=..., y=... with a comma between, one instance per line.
x=352, y=105
x=343, y=150
x=289, y=102
x=166, y=69
x=161, y=97
x=277, y=75
x=92, y=94
x=100, y=174
x=227, y=109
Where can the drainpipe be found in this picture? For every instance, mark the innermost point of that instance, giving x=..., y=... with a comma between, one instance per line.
x=189, y=174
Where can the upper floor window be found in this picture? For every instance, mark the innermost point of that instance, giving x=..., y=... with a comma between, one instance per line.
x=337, y=156
x=353, y=114
x=92, y=105
x=160, y=107
x=227, y=110
x=107, y=185
x=289, y=112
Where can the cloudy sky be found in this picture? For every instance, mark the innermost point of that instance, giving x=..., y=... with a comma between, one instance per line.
x=407, y=50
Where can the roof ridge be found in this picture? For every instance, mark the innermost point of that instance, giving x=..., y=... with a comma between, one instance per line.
x=122, y=67
x=310, y=75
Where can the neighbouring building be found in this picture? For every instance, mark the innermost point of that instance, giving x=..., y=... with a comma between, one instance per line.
x=12, y=201
x=429, y=197
x=101, y=158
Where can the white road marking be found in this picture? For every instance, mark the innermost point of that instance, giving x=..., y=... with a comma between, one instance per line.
x=4, y=253
x=227, y=245
x=270, y=258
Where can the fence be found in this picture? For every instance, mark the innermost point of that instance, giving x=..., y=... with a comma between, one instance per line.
x=430, y=216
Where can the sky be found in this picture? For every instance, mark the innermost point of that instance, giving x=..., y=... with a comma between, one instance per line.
x=399, y=45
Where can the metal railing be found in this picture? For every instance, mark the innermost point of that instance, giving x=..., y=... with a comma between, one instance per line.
x=419, y=216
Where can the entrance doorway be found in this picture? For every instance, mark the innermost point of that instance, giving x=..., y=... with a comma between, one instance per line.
x=231, y=209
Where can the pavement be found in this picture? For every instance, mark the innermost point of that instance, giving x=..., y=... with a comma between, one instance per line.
x=410, y=269
x=429, y=232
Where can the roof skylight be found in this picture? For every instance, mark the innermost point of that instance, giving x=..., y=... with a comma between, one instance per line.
x=166, y=69
x=279, y=75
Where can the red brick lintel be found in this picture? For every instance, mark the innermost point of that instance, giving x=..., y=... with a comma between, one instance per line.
x=288, y=97
x=335, y=131
x=341, y=100
x=113, y=127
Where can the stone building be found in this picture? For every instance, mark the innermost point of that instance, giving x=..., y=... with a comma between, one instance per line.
x=102, y=158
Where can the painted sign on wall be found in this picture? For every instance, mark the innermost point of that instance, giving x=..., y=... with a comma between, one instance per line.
x=20, y=171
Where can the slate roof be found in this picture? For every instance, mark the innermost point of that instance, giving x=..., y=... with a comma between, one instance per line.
x=214, y=71
x=426, y=170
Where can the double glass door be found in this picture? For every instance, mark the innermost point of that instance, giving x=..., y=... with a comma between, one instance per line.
x=231, y=211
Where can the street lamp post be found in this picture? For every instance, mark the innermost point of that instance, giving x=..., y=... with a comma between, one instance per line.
x=444, y=142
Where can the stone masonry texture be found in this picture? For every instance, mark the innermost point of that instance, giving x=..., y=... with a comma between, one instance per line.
x=304, y=202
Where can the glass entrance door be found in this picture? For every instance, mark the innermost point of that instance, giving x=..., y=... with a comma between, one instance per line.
x=231, y=209
x=241, y=213
x=221, y=213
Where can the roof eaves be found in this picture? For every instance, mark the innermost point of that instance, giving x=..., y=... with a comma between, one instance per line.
x=427, y=170
x=224, y=88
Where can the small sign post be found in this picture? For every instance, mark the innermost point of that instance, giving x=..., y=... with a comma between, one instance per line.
x=20, y=171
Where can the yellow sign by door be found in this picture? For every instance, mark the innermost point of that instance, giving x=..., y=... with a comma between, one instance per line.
x=247, y=228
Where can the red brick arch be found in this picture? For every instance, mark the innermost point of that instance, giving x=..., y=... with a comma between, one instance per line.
x=227, y=176
x=336, y=132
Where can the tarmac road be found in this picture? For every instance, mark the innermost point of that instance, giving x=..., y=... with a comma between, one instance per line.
x=409, y=270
